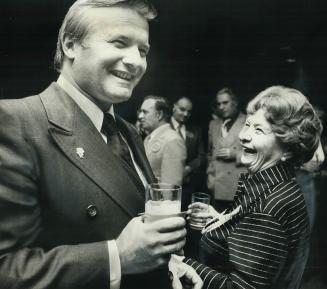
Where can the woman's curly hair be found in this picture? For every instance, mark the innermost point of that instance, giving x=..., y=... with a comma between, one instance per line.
x=293, y=120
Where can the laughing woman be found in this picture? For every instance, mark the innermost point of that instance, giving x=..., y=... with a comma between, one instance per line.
x=262, y=240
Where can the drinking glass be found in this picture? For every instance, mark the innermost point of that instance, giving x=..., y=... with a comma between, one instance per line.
x=162, y=200
x=196, y=222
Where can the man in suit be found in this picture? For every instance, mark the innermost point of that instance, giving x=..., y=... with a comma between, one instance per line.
x=194, y=169
x=224, y=149
x=68, y=192
x=164, y=147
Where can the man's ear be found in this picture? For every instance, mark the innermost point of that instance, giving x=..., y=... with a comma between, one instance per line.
x=160, y=115
x=69, y=46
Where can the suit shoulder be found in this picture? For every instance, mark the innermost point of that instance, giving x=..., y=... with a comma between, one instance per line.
x=242, y=117
x=19, y=107
x=169, y=135
x=215, y=122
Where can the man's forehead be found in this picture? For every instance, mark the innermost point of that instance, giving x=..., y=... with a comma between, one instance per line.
x=223, y=97
x=148, y=104
x=184, y=103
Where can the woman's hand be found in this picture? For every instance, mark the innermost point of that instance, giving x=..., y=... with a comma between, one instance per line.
x=179, y=270
x=201, y=213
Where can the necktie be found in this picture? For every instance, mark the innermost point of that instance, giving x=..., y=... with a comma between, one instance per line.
x=225, y=127
x=179, y=130
x=115, y=140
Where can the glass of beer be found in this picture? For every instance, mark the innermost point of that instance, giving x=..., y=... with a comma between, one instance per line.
x=197, y=222
x=162, y=200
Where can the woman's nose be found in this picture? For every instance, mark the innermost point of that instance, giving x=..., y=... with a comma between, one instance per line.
x=244, y=135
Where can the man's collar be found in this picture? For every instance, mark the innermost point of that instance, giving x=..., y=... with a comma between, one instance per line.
x=90, y=108
x=157, y=131
x=233, y=117
x=175, y=123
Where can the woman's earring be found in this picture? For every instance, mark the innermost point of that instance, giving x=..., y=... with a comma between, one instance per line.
x=283, y=158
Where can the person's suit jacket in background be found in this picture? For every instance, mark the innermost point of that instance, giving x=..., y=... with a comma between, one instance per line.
x=166, y=152
x=223, y=174
x=63, y=194
x=196, y=159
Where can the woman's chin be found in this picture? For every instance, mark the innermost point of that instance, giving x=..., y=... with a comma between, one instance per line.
x=248, y=160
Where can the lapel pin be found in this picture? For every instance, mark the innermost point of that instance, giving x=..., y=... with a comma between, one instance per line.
x=80, y=152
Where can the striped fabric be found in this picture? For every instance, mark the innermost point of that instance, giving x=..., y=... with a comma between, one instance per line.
x=252, y=249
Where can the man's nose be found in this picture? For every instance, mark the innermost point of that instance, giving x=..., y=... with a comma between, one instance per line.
x=133, y=58
x=140, y=115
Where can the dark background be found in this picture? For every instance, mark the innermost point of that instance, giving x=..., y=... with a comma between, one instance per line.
x=198, y=47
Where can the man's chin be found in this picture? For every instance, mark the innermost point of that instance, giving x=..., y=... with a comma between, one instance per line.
x=120, y=96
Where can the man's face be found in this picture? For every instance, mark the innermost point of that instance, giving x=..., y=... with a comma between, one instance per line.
x=226, y=106
x=182, y=110
x=111, y=60
x=149, y=116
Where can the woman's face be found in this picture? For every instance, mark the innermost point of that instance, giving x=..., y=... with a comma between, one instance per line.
x=260, y=147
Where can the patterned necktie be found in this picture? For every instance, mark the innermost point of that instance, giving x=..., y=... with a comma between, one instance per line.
x=115, y=140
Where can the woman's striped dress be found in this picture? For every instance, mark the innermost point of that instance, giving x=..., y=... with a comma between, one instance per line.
x=265, y=245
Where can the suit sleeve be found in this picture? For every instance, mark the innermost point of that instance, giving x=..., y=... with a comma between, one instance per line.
x=173, y=160
x=256, y=249
x=23, y=265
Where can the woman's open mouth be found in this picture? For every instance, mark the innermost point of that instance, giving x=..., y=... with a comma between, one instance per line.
x=249, y=150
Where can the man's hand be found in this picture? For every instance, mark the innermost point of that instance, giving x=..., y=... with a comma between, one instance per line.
x=186, y=174
x=146, y=246
x=225, y=154
x=179, y=270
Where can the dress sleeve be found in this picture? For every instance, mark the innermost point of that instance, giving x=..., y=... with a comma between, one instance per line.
x=257, y=249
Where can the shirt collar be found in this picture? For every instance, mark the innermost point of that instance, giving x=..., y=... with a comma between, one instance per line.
x=158, y=130
x=262, y=181
x=175, y=124
x=94, y=113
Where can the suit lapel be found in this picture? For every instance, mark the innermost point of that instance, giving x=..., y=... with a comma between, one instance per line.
x=71, y=129
x=234, y=131
x=136, y=145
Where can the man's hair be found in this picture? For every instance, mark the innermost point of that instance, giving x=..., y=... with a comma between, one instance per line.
x=228, y=91
x=76, y=26
x=177, y=99
x=161, y=105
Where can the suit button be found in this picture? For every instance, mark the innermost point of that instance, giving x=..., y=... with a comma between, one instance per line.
x=92, y=211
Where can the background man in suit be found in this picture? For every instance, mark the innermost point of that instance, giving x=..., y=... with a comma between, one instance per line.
x=164, y=147
x=224, y=149
x=194, y=169
x=68, y=191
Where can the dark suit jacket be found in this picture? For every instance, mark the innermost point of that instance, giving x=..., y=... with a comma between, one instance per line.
x=57, y=209
x=196, y=157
